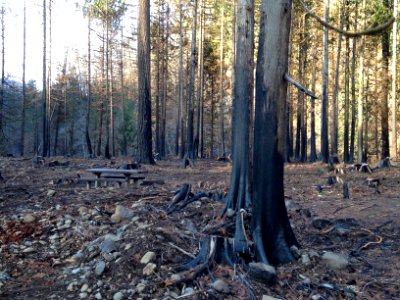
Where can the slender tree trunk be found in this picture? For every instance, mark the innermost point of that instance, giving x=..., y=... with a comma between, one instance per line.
x=124, y=147
x=200, y=84
x=49, y=64
x=366, y=123
x=145, y=151
x=107, y=153
x=44, y=89
x=394, y=79
x=22, y=137
x=89, y=91
x=360, y=111
x=346, y=157
x=180, y=121
x=385, y=92
x=325, y=86
x=165, y=90
x=313, y=150
x=353, y=90
x=190, y=141
x=158, y=80
x=2, y=74
x=212, y=118
x=221, y=78
x=335, y=129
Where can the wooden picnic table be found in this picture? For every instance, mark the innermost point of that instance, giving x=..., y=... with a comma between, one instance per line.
x=109, y=173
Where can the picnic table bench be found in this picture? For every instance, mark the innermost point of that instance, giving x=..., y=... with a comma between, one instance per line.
x=107, y=175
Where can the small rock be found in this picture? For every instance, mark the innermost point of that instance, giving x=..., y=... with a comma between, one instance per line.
x=84, y=287
x=305, y=259
x=262, y=272
x=321, y=223
x=4, y=276
x=316, y=297
x=98, y=296
x=108, y=246
x=335, y=261
x=29, y=218
x=221, y=286
x=29, y=250
x=148, y=257
x=230, y=212
x=121, y=213
x=51, y=193
x=71, y=287
x=149, y=269
x=295, y=252
x=188, y=291
x=140, y=287
x=176, y=277
x=118, y=296
x=100, y=267
x=265, y=297
x=83, y=295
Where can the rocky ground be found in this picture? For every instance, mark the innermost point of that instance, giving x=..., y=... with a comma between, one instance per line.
x=59, y=240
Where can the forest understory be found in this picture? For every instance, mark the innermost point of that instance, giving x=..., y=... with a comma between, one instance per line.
x=59, y=240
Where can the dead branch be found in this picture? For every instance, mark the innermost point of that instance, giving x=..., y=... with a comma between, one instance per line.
x=370, y=31
x=377, y=242
x=180, y=250
x=341, y=208
x=300, y=87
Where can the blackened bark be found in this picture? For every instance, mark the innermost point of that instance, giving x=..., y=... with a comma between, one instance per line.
x=271, y=229
x=385, y=152
x=190, y=129
x=22, y=137
x=89, y=91
x=144, y=137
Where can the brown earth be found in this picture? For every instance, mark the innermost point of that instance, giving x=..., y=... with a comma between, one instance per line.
x=46, y=218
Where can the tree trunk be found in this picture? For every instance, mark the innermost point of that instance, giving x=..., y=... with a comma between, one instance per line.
x=394, y=79
x=325, y=87
x=346, y=157
x=212, y=118
x=124, y=146
x=2, y=140
x=240, y=191
x=44, y=89
x=22, y=137
x=198, y=137
x=385, y=92
x=335, y=129
x=221, y=90
x=89, y=91
x=271, y=229
x=353, y=90
x=179, y=121
x=190, y=141
x=158, y=80
x=361, y=95
x=107, y=153
x=313, y=150
x=165, y=91
x=145, y=152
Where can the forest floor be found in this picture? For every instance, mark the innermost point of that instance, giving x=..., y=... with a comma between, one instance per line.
x=59, y=240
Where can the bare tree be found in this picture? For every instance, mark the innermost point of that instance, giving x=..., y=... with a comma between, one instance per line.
x=144, y=137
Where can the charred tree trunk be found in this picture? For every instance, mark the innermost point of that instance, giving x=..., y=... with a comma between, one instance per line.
x=385, y=92
x=190, y=130
x=360, y=132
x=22, y=137
x=313, y=150
x=325, y=87
x=335, y=129
x=240, y=190
x=145, y=153
x=346, y=156
x=221, y=87
x=353, y=91
x=89, y=91
x=44, y=88
x=271, y=229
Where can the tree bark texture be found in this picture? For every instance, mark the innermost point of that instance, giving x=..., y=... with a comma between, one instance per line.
x=271, y=229
x=144, y=137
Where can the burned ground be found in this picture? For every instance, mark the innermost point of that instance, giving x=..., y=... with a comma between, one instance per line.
x=59, y=240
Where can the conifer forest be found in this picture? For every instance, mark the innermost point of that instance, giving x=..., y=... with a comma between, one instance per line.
x=199, y=149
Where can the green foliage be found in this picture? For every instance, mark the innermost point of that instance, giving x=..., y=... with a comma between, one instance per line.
x=377, y=13
x=128, y=126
